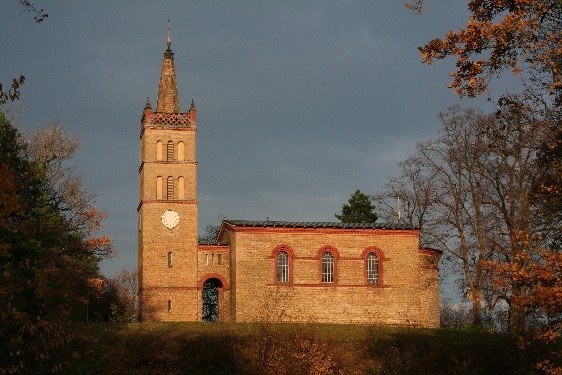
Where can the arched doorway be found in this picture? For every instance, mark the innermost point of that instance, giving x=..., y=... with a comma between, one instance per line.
x=210, y=299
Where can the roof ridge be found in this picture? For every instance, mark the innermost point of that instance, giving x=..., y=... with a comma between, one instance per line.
x=316, y=224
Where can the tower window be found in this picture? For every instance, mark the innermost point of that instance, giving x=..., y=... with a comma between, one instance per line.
x=170, y=188
x=169, y=305
x=181, y=151
x=327, y=267
x=207, y=256
x=219, y=256
x=170, y=259
x=159, y=147
x=170, y=151
x=181, y=188
x=159, y=187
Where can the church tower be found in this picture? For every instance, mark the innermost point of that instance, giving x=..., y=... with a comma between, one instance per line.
x=168, y=207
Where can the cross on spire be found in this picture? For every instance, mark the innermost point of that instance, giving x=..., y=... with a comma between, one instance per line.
x=169, y=41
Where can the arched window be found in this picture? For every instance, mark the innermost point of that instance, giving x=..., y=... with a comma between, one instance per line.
x=181, y=188
x=372, y=268
x=282, y=267
x=181, y=151
x=170, y=188
x=327, y=267
x=159, y=187
x=170, y=151
x=159, y=150
x=170, y=259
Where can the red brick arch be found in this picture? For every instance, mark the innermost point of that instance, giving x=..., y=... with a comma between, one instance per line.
x=380, y=254
x=336, y=255
x=208, y=276
x=283, y=247
x=291, y=253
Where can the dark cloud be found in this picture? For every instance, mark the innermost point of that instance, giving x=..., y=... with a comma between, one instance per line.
x=299, y=103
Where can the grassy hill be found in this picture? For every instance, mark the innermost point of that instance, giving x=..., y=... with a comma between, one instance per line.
x=207, y=348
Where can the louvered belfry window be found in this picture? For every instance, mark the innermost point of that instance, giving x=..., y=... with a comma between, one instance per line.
x=170, y=188
x=170, y=151
x=372, y=268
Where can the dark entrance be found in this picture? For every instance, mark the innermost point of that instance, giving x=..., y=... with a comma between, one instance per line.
x=210, y=296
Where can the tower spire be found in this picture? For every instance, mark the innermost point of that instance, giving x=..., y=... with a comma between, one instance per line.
x=168, y=100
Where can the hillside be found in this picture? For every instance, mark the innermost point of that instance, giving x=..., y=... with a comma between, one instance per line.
x=203, y=348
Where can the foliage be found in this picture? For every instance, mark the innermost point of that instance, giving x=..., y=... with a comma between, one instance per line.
x=501, y=34
x=469, y=190
x=542, y=302
x=526, y=37
x=359, y=209
x=208, y=348
x=454, y=316
x=48, y=254
x=126, y=285
x=210, y=235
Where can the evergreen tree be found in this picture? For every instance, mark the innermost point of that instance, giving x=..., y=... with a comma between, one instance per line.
x=48, y=257
x=359, y=209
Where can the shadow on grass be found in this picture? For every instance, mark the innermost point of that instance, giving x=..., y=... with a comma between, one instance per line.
x=203, y=348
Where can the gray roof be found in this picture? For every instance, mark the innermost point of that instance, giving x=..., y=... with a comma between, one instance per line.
x=317, y=224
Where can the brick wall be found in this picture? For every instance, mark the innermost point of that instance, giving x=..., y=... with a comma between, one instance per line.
x=161, y=282
x=397, y=300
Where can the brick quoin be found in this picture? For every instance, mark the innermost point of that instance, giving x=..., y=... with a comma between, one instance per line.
x=408, y=288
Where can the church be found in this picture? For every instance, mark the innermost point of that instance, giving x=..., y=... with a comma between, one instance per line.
x=268, y=271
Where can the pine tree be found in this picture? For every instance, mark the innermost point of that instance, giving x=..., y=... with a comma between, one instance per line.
x=358, y=210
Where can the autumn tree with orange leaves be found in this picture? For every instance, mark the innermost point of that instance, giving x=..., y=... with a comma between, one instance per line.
x=524, y=37
x=49, y=250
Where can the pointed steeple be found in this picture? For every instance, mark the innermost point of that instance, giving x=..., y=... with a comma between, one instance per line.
x=168, y=100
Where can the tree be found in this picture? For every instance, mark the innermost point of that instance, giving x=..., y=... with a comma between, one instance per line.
x=358, y=210
x=126, y=285
x=415, y=189
x=472, y=200
x=520, y=35
x=49, y=254
x=524, y=36
x=210, y=235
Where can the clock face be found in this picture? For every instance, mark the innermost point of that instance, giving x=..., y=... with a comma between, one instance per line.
x=170, y=219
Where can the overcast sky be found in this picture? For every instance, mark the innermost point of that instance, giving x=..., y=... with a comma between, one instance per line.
x=299, y=103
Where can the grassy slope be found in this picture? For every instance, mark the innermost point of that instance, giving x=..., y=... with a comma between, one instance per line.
x=206, y=348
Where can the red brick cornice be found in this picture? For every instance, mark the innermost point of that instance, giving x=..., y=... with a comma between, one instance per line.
x=165, y=162
x=155, y=288
x=322, y=285
x=160, y=127
x=430, y=251
x=168, y=201
x=386, y=232
x=203, y=247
